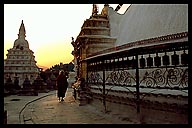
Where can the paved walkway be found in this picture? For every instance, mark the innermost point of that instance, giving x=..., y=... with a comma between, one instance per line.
x=48, y=110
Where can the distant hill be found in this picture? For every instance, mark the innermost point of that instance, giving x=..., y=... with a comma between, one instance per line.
x=43, y=67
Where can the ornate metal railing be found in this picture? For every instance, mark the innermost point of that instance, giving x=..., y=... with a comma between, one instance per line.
x=152, y=68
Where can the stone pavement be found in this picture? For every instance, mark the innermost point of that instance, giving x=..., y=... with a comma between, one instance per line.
x=46, y=109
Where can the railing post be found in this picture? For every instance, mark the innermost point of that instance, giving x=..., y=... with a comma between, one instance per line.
x=104, y=98
x=87, y=73
x=137, y=85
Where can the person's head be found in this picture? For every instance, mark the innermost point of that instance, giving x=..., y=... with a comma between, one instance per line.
x=66, y=73
x=61, y=72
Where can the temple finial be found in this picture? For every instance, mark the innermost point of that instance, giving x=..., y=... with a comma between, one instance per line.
x=104, y=11
x=95, y=9
x=22, y=31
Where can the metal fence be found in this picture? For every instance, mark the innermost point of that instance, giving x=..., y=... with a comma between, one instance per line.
x=152, y=69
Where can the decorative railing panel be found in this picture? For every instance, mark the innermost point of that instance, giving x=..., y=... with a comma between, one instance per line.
x=166, y=78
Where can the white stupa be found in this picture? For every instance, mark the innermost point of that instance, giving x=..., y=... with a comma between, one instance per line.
x=20, y=61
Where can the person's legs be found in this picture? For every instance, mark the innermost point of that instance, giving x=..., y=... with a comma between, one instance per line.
x=63, y=94
x=59, y=96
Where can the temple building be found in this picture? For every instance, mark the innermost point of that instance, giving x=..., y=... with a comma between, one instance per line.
x=136, y=64
x=20, y=62
x=95, y=36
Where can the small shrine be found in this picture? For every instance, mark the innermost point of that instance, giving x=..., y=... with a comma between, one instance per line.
x=8, y=86
x=39, y=85
x=28, y=89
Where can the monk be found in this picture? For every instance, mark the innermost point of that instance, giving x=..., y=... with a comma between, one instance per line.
x=62, y=85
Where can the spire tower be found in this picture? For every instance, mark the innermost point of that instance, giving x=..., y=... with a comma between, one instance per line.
x=22, y=31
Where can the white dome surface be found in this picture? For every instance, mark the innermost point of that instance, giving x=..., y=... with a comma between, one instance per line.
x=148, y=21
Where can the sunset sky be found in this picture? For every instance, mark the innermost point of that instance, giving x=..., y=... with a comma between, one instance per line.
x=49, y=28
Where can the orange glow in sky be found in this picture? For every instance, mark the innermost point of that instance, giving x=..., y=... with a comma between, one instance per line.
x=49, y=28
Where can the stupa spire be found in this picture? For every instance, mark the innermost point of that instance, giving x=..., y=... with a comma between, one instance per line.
x=22, y=31
x=95, y=9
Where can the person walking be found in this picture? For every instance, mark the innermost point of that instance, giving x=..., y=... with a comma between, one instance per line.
x=62, y=85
